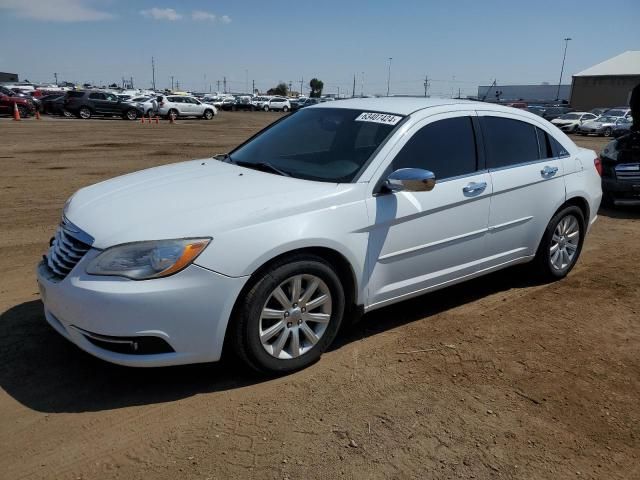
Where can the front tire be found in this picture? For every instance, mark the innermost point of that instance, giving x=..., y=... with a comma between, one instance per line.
x=607, y=132
x=561, y=244
x=266, y=108
x=285, y=109
x=84, y=113
x=131, y=114
x=289, y=316
x=208, y=115
x=172, y=113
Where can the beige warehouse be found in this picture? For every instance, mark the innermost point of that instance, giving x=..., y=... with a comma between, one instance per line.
x=607, y=84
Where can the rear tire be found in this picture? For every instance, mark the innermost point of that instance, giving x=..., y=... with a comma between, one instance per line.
x=172, y=113
x=561, y=244
x=285, y=109
x=607, y=132
x=265, y=108
x=288, y=348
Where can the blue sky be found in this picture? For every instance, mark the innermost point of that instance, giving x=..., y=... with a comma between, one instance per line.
x=458, y=44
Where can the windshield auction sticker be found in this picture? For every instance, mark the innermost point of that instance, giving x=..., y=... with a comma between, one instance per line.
x=384, y=118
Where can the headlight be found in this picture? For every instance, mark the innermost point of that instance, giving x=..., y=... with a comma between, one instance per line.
x=145, y=260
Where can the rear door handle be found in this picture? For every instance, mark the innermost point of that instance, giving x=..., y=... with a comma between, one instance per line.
x=475, y=188
x=548, y=171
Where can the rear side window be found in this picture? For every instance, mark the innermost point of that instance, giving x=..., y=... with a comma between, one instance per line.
x=509, y=142
x=557, y=148
x=97, y=96
x=75, y=94
x=446, y=147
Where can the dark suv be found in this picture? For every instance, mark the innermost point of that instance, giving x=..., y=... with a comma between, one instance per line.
x=621, y=170
x=87, y=103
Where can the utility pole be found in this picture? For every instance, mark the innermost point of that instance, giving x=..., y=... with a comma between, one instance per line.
x=153, y=73
x=218, y=89
x=362, y=86
x=253, y=87
x=55, y=74
x=246, y=80
x=290, y=84
x=353, y=92
x=172, y=83
x=566, y=43
x=131, y=82
x=389, y=77
x=301, y=84
x=338, y=91
x=178, y=85
x=426, y=84
x=224, y=81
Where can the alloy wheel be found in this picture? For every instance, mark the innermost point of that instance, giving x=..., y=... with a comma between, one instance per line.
x=295, y=316
x=564, y=243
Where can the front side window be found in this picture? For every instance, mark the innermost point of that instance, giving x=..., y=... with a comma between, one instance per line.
x=329, y=144
x=446, y=147
x=509, y=142
x=97, y=96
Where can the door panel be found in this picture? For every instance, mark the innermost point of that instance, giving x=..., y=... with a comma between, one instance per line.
x=423, y=239
x=524, y=200
x=420, y=240
x=528, y=185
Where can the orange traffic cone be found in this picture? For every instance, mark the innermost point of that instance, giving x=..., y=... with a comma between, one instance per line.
x=37, y=114
x=142, y=119
x=16, y=112
x=157, y=120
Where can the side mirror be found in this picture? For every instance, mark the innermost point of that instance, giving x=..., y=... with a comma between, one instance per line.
x=411, y=180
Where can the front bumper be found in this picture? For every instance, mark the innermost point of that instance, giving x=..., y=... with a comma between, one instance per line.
x=189, y=311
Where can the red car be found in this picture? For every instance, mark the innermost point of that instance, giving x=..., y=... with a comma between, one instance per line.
x=8, y=98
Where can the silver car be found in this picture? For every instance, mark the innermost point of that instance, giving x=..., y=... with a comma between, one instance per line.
x=604, y=125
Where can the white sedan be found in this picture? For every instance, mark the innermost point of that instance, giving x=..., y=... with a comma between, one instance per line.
x=571, y=122
x=341, y=207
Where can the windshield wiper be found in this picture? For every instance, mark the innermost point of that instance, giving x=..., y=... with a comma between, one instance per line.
x=260, y=166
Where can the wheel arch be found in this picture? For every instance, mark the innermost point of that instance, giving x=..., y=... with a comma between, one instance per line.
x=579, y=202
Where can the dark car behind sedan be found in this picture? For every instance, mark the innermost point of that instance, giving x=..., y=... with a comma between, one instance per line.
x=621, y=171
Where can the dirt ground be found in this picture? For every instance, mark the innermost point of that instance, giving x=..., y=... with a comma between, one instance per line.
x=496, y=378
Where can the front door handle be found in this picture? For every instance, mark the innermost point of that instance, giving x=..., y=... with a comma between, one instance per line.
x=548, y=171
x=474, y=188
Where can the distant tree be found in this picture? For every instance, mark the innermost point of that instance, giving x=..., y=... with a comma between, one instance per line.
x=113, y=85
x=316, y=88
x=280, y=89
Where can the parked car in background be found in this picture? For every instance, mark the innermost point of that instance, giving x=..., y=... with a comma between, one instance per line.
x=149, y=105
x=602, y=126
x=278, y=104
x=239, y=102
x=554, y=112
x=570, y=122
x=622, y=127
x=598, y=111
x=536, y=110
x=185, y=106
x=259, y=101
x=8, y=99
x=307, y=102
x=49, y=104
x=88, y=103
x=618, y=112
x=621, y=171
x=332, y=210
x=522, y=105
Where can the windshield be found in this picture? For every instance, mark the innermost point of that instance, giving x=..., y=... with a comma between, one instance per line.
x=569, y=116
x=324, y=144
x=615, y=113
x=606, y=119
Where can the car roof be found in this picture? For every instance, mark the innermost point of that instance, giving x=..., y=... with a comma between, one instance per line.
x=409, y=105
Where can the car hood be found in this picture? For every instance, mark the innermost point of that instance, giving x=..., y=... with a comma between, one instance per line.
x=198, y=198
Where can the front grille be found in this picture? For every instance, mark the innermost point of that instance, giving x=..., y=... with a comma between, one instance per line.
x=628, y=171
x=66, y=249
